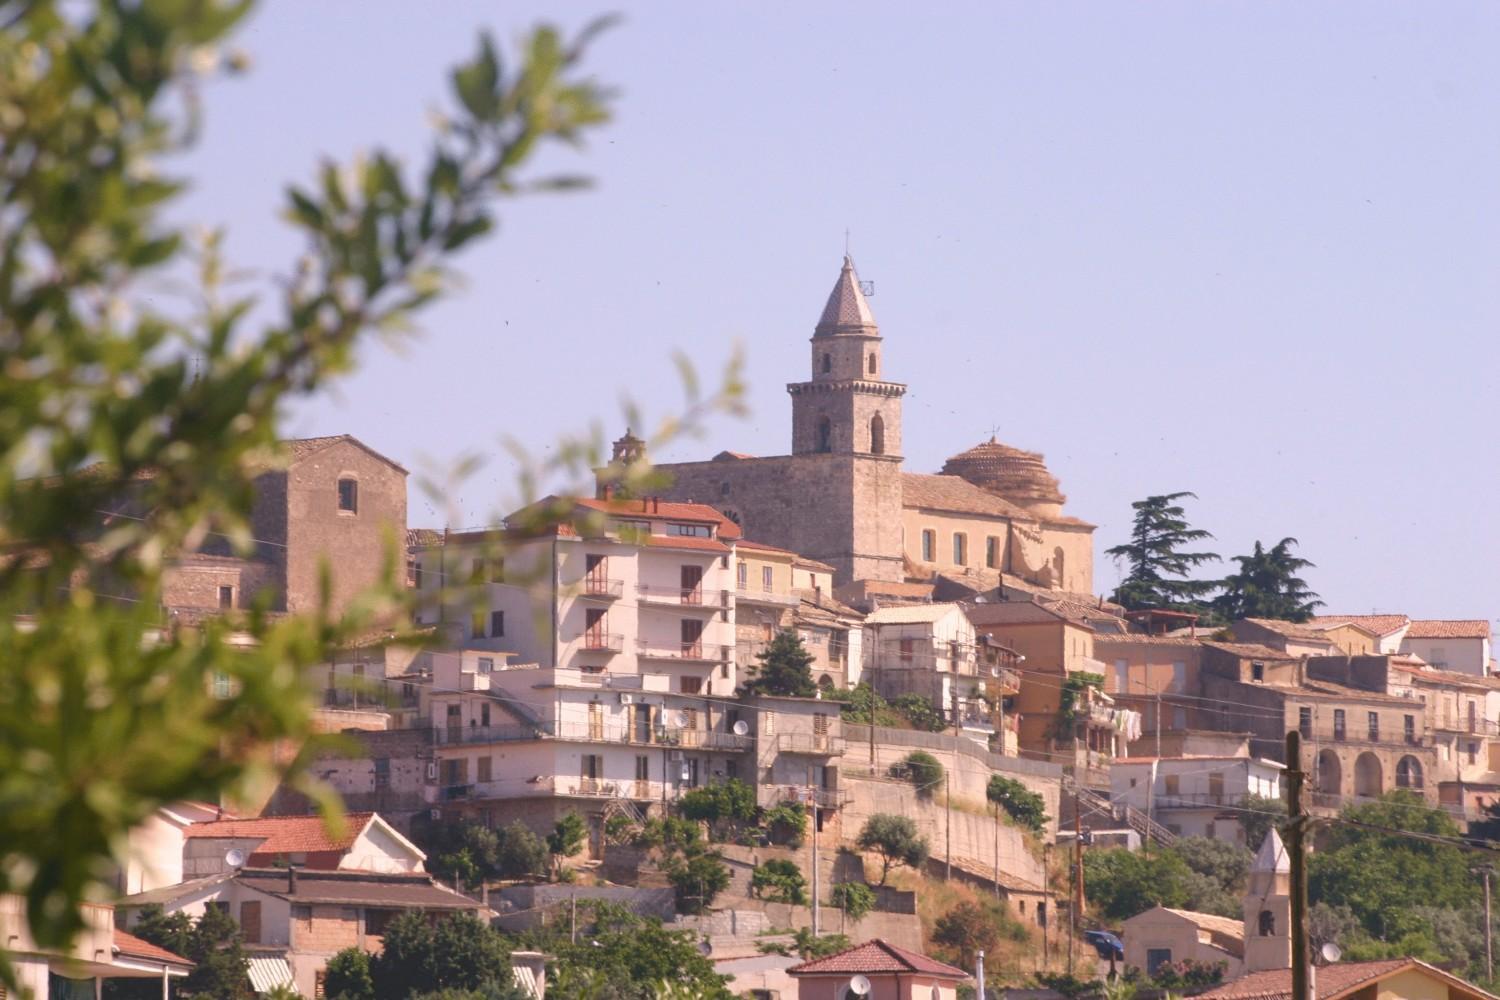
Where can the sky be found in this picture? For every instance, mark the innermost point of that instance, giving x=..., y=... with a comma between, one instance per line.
x=1244, y=249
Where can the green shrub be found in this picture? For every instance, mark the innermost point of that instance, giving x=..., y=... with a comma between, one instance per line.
x=922, y=770
x=779, y=881
x=727, y=800
x=1026, y=807
x=919, y=711
x=854, y=898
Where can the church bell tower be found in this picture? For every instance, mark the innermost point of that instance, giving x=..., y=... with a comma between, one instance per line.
x=848, y=407
x=1268, y=907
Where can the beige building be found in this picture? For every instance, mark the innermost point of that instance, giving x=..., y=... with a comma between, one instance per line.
x=100, y=951
x=886, y=973
x=842, y=498
x=931, y=650
x=1162, y=935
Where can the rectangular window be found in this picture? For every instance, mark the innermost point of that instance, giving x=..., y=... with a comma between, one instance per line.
x=476, y=571
x=349, y=496
x=1373, y=721
x=1473, y=753
x=485, y=764
x=497, y=623
x=765, y=578
x=1171, y=784
x=1304, y=722
x=486, y=664
x=1473, y=719
x=416, y=574
x=689, y=718
x=226, y=597
x=476, y=625
x=1156, y=958
x=250, y=921
x=456, y=771
x=768, y=723
x=484, y=715
x=1257, y=670
x=1409, y=728
x=908, y=646
x=382, y=772
x=593, y=766
x=690, y=530
x=376, y=921
x=929, y=545
x=1338, y=724
x=690, y=685
x=1122, y=677
x=1216, y=786
x=642, y=768
x=743, y=579
x=691, y=632
x=960, y=549
x=992, y=552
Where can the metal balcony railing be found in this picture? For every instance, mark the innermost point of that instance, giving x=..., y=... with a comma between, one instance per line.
x=603, y=588
x=695, y=598
x=695, y=652
x=824, y=798
x=601, y=642
x=820, y=744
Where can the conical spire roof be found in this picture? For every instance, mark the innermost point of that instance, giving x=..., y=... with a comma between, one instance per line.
x=847, y=311
x=1272, y=856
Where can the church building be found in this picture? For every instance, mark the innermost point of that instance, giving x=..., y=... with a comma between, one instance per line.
x=993, y=517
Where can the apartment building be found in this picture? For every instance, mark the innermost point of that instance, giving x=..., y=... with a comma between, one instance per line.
x=1196, y=795
x=776, y=589
x=932, y=650
x=1462, y=646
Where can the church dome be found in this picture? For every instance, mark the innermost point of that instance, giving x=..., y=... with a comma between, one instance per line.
x=1018, y=476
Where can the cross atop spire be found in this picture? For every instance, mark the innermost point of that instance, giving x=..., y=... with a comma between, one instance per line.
x=847, y=311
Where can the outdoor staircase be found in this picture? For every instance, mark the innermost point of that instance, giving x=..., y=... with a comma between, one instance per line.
x=1148, y=828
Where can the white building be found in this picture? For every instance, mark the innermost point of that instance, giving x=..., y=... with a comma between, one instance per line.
x=1460, y=646
x=1194, y=796
x=930, y=650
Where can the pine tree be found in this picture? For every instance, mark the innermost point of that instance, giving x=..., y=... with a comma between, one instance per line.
x=1158, y=576
x=785, y=669
x=1267, y=586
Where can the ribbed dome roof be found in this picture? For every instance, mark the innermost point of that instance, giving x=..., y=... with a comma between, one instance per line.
x=1018, y=476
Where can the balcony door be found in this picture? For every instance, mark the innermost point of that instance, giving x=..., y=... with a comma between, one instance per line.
x=692, y=585
x=642, y=723
x=596, y=574
x=692, y=637
x=593, y=628
x=596, y=721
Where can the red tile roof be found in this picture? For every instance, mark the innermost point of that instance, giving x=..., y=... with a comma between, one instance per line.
x=745, y=543
x=1333, y=981
x=285, y=834
x=876, y=956
x=683, y=542
x=130, y=946
x=651, y=509
x=1476, y=628
x=1250, y=650
x=950, y=493
x=1381, y=625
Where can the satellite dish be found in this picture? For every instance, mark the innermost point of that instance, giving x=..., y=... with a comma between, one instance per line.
x=1331, y=952
x=741, y=728
x=860, y=986
x=234, y=858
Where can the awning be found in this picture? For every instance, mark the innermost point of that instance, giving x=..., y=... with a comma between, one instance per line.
x=268, y=973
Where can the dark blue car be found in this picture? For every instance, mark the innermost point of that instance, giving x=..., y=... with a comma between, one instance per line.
x=1106, y=944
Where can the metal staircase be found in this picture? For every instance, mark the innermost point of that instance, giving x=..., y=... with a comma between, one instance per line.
x=1132, y=817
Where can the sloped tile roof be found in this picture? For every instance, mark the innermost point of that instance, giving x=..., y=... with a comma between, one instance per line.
x=1250, y=650
x=1333, y=981
x=1476, y=628
x=1381, y=625
x=911, y=614
x=300, y=448
x=410, y=891
x=650, y=509
x=876, y=956
x=285, y=834
x=959, y=496
x=1292, y=630
x=1234, y=929
x=421, y=538
x=847, y=311
x=696, y=544
x=130, y=946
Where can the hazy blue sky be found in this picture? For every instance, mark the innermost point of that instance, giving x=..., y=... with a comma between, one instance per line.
x=1248, y=250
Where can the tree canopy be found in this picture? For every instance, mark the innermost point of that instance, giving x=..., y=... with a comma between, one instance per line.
x=1020, y=803
x=895, y=839
x=1267, y=586
x=213, y=942
x=1158, y=560
x=784, y=668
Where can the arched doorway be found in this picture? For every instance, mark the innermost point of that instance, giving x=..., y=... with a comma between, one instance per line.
x=1409, y=773
x=1330, y=773
x=1369, y=779
x=877, y=435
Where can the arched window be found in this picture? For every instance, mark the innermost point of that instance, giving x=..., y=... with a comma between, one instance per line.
x=877, y=435
x=827, y=363
x=1408, y=773
x=872, y=363
x=825, y=434
x=1267, y=923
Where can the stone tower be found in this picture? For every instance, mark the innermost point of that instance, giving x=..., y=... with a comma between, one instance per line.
x=848, y=408
x=1268, y=907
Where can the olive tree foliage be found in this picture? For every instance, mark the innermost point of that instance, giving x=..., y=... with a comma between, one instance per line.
x=139, y=396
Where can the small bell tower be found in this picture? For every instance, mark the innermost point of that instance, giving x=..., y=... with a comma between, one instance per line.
x=1268, y=907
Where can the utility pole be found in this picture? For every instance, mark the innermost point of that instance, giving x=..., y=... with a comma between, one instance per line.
x=1296, y=833
x=948, y=834
x=979, y=975
x=1489, y=954
x=1078, y=869
x=814, y=797
x=997, y=849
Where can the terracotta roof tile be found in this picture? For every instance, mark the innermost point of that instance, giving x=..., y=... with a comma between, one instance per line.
x=1381, y=625
x=650, y=509
x=421, y=538
x=876, y=956
x=1292, y=630
x=803, y=562
x=959, y=496
x=847, y=311
x=696, y=544
x=1250, y=650
x=1333, y=981
x=1476, y=628
x=745, y=543
x=285, y=834
x=410, y=891
x=130, y=946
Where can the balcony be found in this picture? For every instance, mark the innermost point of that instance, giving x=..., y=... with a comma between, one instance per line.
x=601, y=642
x=601, y=588
x=823, y=798
x=818, y=744
x=453, y=793
x=516, y=733
x=683, y=652
x=762, y=596
x=695, y=599
x=706, y=739
x=1198, y=800
x=601, y=788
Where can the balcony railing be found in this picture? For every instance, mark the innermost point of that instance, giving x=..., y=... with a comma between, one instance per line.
x=602, y=588
x=604, y=788
x=707, y=739
x=692, y=652
x=589, y=732
x=696, y=598
x=516, y=733
x=820, y=744
x=1192, y=800
x=601, y=642
x=824, y=798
